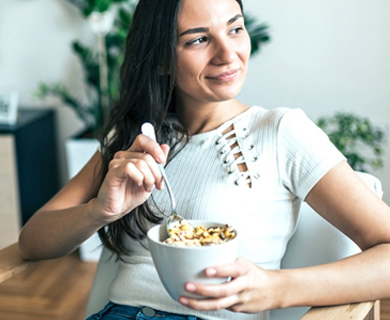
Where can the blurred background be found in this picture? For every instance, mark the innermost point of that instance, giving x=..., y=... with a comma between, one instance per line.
x=324, y=57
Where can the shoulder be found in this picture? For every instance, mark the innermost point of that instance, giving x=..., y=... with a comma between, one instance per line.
x=277, y=117
x=276, y=113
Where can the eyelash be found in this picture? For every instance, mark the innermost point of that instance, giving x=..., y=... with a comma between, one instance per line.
x=202, y=39
x=237, y=29
x=197, y=41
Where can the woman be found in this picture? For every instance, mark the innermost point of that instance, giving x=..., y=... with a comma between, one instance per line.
x=185, y=63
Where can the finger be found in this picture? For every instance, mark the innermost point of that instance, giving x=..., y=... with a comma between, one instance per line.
x=225, y=289
x=137, y=170
x=159, y=182
x=145, y=164
x=146, y=145
x=155, y=170
x=122, y=170
x=121, y=155
x=233, y=270
x=149, y=172
x=114, y=163
x=165, y=148
x=209, y=304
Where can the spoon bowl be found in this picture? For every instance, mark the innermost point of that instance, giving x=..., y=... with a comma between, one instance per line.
x=173, y=220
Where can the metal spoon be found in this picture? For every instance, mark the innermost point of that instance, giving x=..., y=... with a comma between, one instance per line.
x=148, y=130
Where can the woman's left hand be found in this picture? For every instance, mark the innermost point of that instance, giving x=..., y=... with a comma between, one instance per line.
x=249, y=291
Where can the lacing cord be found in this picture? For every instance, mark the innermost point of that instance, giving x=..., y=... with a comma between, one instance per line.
x=227, y=152
x=246, y=177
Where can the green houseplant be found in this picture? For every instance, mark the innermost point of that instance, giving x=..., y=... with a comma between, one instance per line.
x=357, y=138
x=101, y=68
x=107, y=56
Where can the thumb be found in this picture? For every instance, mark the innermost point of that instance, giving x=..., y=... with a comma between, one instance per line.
x=165, y=148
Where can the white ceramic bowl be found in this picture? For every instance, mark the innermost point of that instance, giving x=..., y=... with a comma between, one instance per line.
x=178, y=265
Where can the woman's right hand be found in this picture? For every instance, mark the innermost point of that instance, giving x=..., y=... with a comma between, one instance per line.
x=84, y=205
x=131, y=177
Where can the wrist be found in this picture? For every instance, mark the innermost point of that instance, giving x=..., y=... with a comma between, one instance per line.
x=294, y=288
x=280, y=286
x=94, y=212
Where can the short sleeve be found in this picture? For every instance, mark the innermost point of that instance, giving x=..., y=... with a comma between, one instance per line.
x=304, y=152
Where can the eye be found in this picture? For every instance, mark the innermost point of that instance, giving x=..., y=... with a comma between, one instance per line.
x=197, y=41
x=236, y=30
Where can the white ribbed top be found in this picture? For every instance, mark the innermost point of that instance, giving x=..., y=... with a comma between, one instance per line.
x=285, y=154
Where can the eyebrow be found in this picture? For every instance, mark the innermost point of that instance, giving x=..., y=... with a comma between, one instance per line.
x=203, y=29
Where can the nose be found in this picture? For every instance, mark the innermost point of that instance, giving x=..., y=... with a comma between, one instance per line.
x=224, y=52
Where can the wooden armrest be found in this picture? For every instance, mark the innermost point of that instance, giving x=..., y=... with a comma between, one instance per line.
x=356, y=311
x=11, y=262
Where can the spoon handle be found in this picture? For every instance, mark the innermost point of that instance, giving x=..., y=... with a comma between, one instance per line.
x=147, y=129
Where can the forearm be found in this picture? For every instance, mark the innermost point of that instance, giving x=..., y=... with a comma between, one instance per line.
x=363, y=277
x=55, y=233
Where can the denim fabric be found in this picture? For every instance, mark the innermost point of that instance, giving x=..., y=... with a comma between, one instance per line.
x=114, y=311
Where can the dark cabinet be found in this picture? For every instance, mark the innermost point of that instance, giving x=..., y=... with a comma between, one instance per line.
x=35, y=154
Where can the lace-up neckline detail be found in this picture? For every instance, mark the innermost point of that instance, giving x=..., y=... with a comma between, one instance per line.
x=237, y=153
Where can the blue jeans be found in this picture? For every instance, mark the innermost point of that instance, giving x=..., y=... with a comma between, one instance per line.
x=114, y=311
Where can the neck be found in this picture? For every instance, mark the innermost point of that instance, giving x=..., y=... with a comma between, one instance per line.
x=205, y=117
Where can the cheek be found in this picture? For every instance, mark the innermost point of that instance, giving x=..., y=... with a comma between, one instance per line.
x=243, y=47
x=181, y=66
x=182, y=76
x=188, y=68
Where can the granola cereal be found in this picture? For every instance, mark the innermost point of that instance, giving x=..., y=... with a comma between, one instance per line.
x=184, y=235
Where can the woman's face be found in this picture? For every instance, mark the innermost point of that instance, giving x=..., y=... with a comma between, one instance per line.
x=213, y=50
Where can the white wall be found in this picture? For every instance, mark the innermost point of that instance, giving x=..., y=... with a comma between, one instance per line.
x=324, y=56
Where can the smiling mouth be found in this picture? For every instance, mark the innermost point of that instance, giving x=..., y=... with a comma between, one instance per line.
x=225, y=76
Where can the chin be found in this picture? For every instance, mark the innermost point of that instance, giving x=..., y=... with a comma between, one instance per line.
x=224, y=95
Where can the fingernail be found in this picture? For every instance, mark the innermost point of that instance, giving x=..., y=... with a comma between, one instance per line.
x=183, y=301
x=160, y=158
x=190, y=287
x=211, y=272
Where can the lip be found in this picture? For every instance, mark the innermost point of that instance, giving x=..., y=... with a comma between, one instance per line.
x=224, y=76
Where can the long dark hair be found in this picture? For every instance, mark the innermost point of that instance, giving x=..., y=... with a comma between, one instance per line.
x=146, y=94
